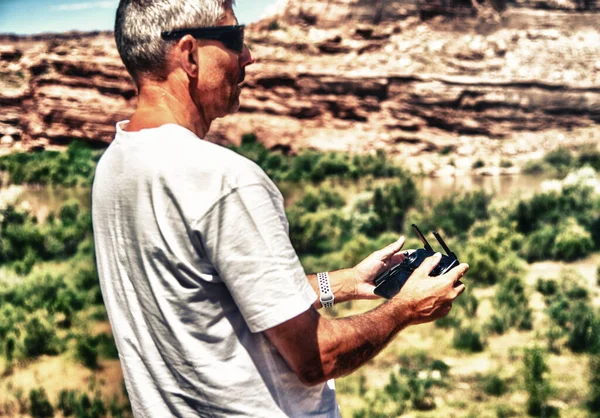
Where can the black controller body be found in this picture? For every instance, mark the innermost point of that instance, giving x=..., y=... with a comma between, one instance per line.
x=391, y=281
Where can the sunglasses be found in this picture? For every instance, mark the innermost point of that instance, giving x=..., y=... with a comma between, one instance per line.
x=231, y=36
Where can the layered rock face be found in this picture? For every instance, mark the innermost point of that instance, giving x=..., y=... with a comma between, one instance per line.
x=434, y=93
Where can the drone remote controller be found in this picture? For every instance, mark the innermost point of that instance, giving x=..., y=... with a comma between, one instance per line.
x=391, y=281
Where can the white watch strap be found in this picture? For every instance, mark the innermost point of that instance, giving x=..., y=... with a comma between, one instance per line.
x=326, y=296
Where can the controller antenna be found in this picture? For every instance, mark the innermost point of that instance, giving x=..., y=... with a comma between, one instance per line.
x=422, y=238
x=443, y=244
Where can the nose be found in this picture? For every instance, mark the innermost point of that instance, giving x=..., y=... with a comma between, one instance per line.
x=246, y=57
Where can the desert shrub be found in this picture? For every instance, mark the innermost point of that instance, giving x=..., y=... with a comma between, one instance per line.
x=570, y=309
x=106, y=346
x=546, y=287
x=39, y=335
x=540, y=244
x=97, y=409
x=468, y=339
x=23, y=240
x=589, y=156
x=314, y=165
x=535, y=374
x=572, y=241
x=494, y=385
x=67, y=402
x=74, y=403
x=559, y=158
x=86, y=351
x=464, y=307
x=584, y=329
x=69, y=168
x=551, y=207
x=84, y=278
x=554, y=335
x=116, y=409
x=593, y=397
x=387, y=209
x=511, y=306
x=505, y=411
x=566, y=241
x=39, y=406
x=409, y=388
x=491, y=252
x=322, y=198
x=457, y=213
x=319, y=232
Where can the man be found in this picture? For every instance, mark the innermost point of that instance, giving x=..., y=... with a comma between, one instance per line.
x=210, y=308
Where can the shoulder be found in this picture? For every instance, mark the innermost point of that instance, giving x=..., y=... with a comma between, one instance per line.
x=199, y=157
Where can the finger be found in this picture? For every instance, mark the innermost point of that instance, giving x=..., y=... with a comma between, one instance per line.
x=429, y=264
x=458, y=290
x=453, y=276
x=390, y=250
x=400, y=256
x=460, y=271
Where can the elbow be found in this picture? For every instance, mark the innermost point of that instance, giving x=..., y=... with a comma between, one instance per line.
x=311, y=377
x=316, y=372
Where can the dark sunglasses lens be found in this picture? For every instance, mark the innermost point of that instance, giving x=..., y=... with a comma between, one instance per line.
x=234, y=40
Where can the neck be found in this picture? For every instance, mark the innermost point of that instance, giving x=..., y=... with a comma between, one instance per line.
x=168, y=102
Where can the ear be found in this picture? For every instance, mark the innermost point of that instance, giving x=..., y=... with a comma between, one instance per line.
x=187, y=54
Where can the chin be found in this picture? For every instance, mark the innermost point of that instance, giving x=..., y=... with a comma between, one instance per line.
x=234, y=103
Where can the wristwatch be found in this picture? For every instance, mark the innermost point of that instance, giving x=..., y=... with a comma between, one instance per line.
x=326, y=296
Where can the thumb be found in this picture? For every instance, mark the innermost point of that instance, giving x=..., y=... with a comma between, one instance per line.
x=429, y=264
x=391, y=249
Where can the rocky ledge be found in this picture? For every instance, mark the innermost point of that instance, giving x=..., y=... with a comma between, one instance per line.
x=441, y=94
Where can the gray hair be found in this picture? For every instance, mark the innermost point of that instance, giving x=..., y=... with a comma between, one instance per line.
x=139, y=23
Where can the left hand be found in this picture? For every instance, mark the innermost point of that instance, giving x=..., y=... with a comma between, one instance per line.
x=367, y=270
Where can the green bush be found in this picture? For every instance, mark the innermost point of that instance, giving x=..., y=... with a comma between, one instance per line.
x=593, y=398
x=572, y=241
x=24, y=241
x=559, y=158
x=39, y=406
x=454, y=215
x=320, y=232
x=584, y=328
x=86, y=351
x=493, y=385
x=314, y=165
x=39, y=335
x=390, y=204
x=547, y=287
x=512, y=305
x=466, y=338
x=535, y=373
x=72, y=167
x=67, y=402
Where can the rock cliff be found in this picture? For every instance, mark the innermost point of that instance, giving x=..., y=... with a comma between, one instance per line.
x=440, y=93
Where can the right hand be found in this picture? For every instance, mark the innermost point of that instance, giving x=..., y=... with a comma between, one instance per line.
x=429, y=298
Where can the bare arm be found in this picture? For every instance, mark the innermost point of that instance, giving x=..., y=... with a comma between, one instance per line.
x=318, y=349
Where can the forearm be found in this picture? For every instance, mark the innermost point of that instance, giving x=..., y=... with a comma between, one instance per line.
x=327, y=348
x=348, y=343
x=342, y=282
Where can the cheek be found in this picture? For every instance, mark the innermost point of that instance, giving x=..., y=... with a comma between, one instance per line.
x=218, y=73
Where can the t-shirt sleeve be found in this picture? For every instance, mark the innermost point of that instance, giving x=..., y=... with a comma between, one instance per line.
x=245, y=236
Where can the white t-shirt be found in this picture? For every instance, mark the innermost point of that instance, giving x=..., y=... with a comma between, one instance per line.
x=195, y=261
